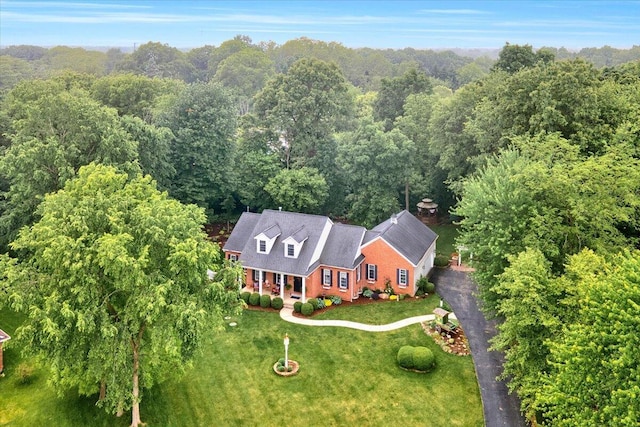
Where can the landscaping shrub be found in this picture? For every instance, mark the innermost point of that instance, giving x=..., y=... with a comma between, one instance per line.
x=441, y=261
x=321, y=303
x=423, y=359
x=24, y=372
x=313, y=302
x=375, y=295
x=245, y=297
x=307, y=309
x=405, y=357
x=367, y=293
x=277, y=303
x=430, y=287
x=419, y=293
x=265, y=301
x=297, y=306
x=422, y=283
x=280, y=368
x=327, y=302
x=335, y=299
x=254, y=299
x=402, y=296
x=281, y=361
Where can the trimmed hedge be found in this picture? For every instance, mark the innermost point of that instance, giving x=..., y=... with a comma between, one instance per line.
x=297, y=306
x=265, y=301
x=441, y=261
x=245, y=296
x=254, y=299
x=405, y=357
x=307, y=309
x=277, y=303
x=418, y=358
x=430, y=287
x=313, y=302
x=423, y=359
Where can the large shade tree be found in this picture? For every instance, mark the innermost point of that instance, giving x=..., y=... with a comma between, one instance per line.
x=375, y=166
x=53, y=133
x=595, y=376
x=305, y=107
x=114, y=281
x=203, y=121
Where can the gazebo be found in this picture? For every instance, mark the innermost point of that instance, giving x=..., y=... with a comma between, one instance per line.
x=427, y=206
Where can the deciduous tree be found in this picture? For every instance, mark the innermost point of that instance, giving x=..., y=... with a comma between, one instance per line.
x=113, y=279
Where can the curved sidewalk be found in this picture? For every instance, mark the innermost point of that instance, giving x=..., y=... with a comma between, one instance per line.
x=287, y=315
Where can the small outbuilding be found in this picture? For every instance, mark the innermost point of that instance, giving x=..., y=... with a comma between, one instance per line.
x=3, y=337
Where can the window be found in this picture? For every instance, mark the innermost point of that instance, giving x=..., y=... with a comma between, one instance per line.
x=256, y=275
x=372, y=272
x=403, y=277
x=326, y=277
x=233, y=257
x=343, y=280
x=262, y=246
x=290, y=250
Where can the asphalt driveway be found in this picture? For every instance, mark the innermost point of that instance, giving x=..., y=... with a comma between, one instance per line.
x=500, y=408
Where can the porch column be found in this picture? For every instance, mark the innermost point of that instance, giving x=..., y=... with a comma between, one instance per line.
x=260, y=282
x=304, y=290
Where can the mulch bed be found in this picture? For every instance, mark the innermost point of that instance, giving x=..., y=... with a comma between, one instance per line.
x=459, y=346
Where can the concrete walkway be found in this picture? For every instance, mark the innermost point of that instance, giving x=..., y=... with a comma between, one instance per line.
x=287, y=314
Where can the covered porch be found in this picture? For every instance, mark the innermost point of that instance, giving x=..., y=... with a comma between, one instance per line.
x=290, y=288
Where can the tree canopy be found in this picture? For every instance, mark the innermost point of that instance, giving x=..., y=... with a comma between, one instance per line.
x=113, y=278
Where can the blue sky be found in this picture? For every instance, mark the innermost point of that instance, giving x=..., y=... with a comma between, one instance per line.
x=376, y=24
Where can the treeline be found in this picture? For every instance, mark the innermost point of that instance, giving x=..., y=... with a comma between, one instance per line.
x=539, y=158
x=363, y=67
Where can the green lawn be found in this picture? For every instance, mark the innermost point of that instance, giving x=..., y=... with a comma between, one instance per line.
x=446, y=238
x=346, y=377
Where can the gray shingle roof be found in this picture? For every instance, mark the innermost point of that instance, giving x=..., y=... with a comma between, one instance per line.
x=405, y=233
x=242, y=232
x=289, y=223
x=343, y=246
x=408, y=235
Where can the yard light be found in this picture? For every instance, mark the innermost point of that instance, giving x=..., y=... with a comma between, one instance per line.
x=286, y=351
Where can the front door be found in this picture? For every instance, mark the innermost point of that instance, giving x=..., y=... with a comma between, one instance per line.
x=297, y=284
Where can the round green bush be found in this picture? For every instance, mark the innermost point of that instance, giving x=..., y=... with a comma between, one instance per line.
x=430, y=287
x=254, y=298
x=265, y=301
x=245, y=296
x=297, y=306
x=307, y=309
x=280, y=368
x=277, y=303
x=405, y=357
x=423, y=359
x=441, y=261
x=422, y=283
x=281, y=361
x=313, y=302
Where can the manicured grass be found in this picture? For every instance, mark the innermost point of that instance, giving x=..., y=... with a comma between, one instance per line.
x=446, y=238
x=346, y=377
x=382, y=312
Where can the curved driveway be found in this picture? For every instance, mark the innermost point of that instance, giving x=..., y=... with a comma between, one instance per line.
x=501, y=409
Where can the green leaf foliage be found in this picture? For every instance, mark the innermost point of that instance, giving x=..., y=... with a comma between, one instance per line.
x=114, y=280
x=595, y=376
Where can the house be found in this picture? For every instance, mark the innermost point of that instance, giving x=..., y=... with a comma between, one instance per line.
x=304, y=256
x=3, y=337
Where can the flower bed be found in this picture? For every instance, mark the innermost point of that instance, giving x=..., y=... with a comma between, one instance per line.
x=455, y=344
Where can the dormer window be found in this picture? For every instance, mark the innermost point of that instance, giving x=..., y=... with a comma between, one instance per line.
x=293, y=244
x=266, y=239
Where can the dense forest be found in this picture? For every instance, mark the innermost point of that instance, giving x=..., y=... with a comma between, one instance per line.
x=535, y=153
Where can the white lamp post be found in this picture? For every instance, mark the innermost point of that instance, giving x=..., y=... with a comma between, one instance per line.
x=286, y=351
